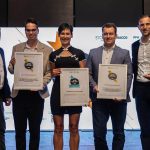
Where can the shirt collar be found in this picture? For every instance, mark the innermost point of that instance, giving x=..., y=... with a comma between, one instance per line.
x=144, y=43
x=28, y=47
x=109, y=49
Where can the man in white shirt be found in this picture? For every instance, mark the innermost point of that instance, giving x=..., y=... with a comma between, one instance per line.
x=141, y=84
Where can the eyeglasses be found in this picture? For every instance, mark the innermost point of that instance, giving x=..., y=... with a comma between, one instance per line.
x=32, y=30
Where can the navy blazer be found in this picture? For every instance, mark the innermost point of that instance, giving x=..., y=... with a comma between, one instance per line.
x=5, y=91
x=135, y=49
x=120, y=56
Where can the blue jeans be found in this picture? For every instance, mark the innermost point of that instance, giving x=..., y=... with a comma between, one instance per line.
x=142, y=97
x=101, y=110
x=2, y=127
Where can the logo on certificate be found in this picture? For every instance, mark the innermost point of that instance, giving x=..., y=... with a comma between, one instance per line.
x=28, y=65
x=112, y=76
x=74, y=82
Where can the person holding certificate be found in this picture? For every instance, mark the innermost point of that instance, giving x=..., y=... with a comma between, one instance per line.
x=102, y=109
x=4, y=97
x=65, y=57
x=28, y=104
x=141, y=83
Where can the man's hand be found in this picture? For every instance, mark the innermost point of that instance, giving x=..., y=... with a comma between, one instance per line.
x=95, y=89
x=116, y=99
x=13, y=61
x=147, y=76
x=8, y=101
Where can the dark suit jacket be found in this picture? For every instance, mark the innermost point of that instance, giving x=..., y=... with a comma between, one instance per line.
x=135, y=49
x=120, y=56
x=5, y=91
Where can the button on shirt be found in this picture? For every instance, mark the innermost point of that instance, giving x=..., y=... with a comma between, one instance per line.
x=107, y=55
x=143, y=61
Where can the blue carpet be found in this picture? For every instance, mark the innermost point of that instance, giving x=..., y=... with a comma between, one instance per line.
x=86, y=140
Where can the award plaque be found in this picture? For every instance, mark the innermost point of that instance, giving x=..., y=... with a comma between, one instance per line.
x=1, y=74
x=28, y=71
x=74, y=86
x=112, y=81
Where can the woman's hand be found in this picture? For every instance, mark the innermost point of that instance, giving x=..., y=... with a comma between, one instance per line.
x=56, y=72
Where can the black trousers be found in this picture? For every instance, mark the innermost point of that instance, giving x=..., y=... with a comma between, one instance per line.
x=2, y=127
x=142, y=99
x=101, y=111
x=27, y=106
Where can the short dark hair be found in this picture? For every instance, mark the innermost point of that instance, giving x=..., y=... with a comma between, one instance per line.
x=31, y=20
x=110, y=25
x=144, y=16
x=64, y=26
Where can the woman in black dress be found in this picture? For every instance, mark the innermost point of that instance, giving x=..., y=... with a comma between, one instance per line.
x=65, y=57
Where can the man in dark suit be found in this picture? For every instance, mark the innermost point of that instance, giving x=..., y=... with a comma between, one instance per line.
x=109, y=53
x=141, y=84
x=4, y=97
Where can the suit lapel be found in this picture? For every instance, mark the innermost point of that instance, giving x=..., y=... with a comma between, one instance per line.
x=99, y=55
x=136, y=49
x=40, y=47
x=115, y=53
x=22, y=47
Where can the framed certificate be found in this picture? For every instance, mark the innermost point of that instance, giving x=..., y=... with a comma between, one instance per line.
x=1, y=73
x=112, y=81
x=74, y=86
x=28, y=71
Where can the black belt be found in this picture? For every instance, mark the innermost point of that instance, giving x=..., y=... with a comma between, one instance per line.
x=143, y=83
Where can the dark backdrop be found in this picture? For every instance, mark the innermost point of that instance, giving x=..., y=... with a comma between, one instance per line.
x=3, y=13
x=147, y=7
x=49, y=12
x=80, y=13
x=96, y=13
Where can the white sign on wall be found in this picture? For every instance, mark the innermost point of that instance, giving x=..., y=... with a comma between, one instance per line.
x=84, y=39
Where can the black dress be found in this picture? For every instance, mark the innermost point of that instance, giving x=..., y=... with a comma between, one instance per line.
x=64, y=62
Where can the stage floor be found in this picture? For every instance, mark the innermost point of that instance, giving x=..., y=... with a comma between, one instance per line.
x=86, y=140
